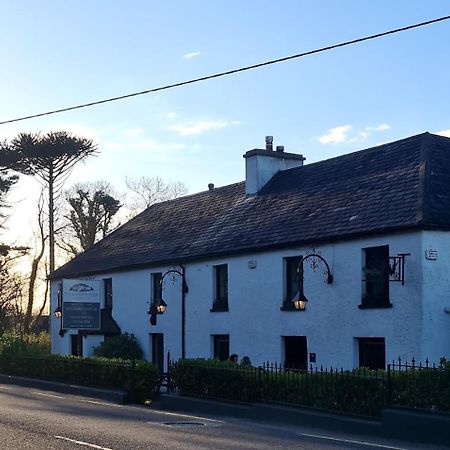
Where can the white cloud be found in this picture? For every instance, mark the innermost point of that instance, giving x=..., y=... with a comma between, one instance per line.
x=170, y=115
x=444, y=133
x=111, y=145
x=133, y=132
x=152, y=145
x=382, y=127
x=191, y=55
x=335, y=135
x=188, y=129
x=341, y=134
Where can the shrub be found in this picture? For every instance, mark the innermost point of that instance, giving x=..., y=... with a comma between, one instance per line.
x=123, y=346
x=25, y=345
x=361, y=391
x=140, y=379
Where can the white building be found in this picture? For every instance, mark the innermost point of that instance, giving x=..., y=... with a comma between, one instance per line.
x=369, y=215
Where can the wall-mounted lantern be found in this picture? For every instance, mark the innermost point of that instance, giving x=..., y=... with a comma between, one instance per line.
x=58, y=310
x=299, y=301
x=160, y=306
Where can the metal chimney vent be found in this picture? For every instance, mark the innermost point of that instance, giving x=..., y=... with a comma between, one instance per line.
x=211, y=186
x=280, y=148
x=269, y=143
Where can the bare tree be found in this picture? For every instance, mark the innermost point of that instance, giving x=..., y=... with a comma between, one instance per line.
x=12, y=292
x=150, y=190
x=92, y=208
x=35, y=265
x=51, y=158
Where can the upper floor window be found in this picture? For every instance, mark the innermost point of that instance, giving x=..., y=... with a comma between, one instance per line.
x=376, y=278
x=291, y=280
x=220, y=302
x=108, y=293
x=156, y=287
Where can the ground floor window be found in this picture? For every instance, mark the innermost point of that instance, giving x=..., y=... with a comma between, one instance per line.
x=76, y=345
x=221, y=346
x=372, y=353
x=157, y=344
x=295, y=352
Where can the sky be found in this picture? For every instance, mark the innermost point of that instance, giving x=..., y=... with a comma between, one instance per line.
x=56, y=54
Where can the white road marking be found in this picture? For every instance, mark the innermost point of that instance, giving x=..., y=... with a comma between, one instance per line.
x=76, y=399
x=5, y=388
x=186, y=415
x=370, y=444
x=47, y=395
x=86, y=444
x=100, y=403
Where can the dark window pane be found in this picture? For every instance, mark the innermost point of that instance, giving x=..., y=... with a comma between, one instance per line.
x=376, y=273
x=107, y=288
x=158, y=350
x=156, y=287
x=295, y=352
x=292, y=277
x=221, y=287
x=372, y=353
x=221, y=346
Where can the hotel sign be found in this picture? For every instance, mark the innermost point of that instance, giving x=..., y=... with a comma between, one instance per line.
x=81, y=305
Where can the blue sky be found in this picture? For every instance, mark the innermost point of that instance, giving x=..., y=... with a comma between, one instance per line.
x=55, y=54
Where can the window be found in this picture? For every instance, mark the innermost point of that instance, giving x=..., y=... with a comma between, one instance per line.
x=376, y=278
x=220, y=302
x=221, y=346
x=108, y=294
x=156, y=287
x=157, y=342
x=295, y=352
x=291, y=281
x=372, y=353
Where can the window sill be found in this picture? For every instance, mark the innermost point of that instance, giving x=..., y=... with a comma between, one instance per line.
x=219, y=308
x=376, y=306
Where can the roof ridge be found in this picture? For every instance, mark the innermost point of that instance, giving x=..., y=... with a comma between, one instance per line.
x=363, y=150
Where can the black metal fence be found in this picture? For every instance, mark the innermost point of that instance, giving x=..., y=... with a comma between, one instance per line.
x=359, y=391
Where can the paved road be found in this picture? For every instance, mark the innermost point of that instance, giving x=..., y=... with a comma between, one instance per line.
x=34, y=419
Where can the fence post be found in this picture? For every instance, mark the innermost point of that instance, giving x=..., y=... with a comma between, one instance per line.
x=389, y=386
x=168, y=372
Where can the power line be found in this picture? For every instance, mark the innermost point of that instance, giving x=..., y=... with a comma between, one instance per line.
x=229, y=72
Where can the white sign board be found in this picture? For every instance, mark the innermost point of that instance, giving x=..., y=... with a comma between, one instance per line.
x=81, y=304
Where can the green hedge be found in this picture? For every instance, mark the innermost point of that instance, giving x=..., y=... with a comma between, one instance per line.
x=139, y=379
x=362, y=391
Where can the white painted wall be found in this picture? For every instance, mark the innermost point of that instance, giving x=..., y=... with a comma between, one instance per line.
x=331, y=322
x=436, y=296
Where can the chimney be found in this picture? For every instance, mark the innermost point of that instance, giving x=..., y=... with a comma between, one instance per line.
x=261, y=165
x=211, y=186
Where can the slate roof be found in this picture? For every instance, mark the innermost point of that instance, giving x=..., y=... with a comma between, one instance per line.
x=395, y=186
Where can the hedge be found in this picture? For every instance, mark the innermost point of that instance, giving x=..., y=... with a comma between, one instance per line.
x=139, y=379
x=361, y=391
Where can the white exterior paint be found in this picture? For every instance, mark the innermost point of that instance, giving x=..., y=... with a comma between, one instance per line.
x=416, y=325
x=261, y=167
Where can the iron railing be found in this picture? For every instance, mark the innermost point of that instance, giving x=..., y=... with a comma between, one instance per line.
x=358, y=391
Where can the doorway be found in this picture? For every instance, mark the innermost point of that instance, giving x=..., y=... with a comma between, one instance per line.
x=76, y=345
x=295, y=352
x=158, y=350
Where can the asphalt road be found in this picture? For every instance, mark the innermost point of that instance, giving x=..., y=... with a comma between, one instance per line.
x=35, y=419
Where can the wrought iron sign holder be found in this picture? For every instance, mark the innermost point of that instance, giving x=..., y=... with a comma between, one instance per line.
x=397, y=267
